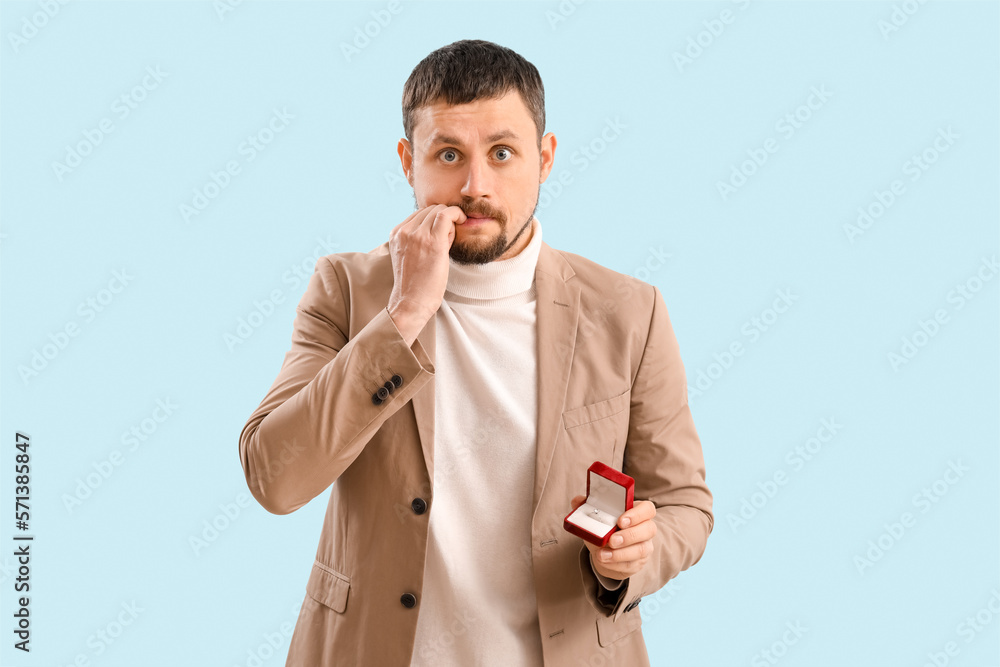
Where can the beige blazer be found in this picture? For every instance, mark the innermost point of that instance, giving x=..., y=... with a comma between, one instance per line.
x=611, y=387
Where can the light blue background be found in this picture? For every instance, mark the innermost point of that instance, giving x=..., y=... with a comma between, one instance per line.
x=332, y=175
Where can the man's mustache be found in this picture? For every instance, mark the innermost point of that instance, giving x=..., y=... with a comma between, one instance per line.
x=479, y=211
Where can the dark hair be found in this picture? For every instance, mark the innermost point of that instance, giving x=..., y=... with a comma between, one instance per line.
x=472, y=69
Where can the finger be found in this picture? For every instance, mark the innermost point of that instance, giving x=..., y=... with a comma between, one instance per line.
x=423, y=223
x=403, y=223
x=424, y=218
x=445, y=220
x=577, y=501
x=642, y=510
x=631, y=552
x=614, y=566
x=637, y=533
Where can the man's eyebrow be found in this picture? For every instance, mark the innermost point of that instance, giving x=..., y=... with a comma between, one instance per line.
x=496, y=136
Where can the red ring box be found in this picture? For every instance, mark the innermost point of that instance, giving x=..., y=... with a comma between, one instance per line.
x=609, y=492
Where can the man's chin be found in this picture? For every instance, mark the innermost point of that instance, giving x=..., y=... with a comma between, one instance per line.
x=480, y=251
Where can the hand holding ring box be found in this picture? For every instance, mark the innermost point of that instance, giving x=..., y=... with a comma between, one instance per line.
x=609, y=495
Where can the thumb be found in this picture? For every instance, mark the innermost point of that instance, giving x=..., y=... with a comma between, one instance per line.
x=577, y=501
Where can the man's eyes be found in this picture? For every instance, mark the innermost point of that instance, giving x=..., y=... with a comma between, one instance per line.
x=450, y=155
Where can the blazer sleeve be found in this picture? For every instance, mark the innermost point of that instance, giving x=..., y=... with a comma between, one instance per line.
x=663, y=454
x=607, y=584
x=319, y=413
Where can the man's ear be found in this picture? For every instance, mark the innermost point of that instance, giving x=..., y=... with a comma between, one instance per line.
x=546, y=156
x=406, y=159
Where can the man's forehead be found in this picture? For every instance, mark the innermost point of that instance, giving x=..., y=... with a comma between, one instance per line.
x=486, y=120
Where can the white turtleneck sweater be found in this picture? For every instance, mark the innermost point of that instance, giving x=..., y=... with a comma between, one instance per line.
x=478, y=605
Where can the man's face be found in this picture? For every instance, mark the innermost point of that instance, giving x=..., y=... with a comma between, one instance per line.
x=484, y=158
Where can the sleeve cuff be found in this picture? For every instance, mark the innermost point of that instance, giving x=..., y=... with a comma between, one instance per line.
x=607, y=583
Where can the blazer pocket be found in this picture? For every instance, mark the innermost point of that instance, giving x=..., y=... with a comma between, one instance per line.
x=588, y=414
x=610, y=631
x=328, y=587
x=599, y=430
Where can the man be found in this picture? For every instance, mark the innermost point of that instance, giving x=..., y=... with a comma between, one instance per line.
x=454, y=385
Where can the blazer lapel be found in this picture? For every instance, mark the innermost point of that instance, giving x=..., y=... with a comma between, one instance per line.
x=558, y=311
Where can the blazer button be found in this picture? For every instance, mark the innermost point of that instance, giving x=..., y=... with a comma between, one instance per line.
x=632, y=605
x=382, y=393
x=390, y=387
x=408, y=600
x=397, y=380
x=418, y=505
x=375, y=399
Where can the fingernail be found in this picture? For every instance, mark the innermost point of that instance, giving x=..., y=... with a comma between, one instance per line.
x=625, y=522
x=605, y=555
x=616, y=540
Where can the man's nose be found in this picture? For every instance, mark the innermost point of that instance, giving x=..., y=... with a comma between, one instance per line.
x=478, y=179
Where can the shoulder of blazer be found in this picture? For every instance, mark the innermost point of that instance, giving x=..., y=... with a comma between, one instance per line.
x=360, y=273
x=599, y=284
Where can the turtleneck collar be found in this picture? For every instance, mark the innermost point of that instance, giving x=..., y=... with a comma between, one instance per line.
x=501, y=278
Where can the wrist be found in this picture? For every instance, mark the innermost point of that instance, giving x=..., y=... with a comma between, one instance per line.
x=606, y=578
x=408, y=324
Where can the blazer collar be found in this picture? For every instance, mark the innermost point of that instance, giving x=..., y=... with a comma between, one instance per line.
x=558, y=311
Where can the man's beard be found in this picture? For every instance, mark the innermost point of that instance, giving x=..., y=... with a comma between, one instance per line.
x=472, y=252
